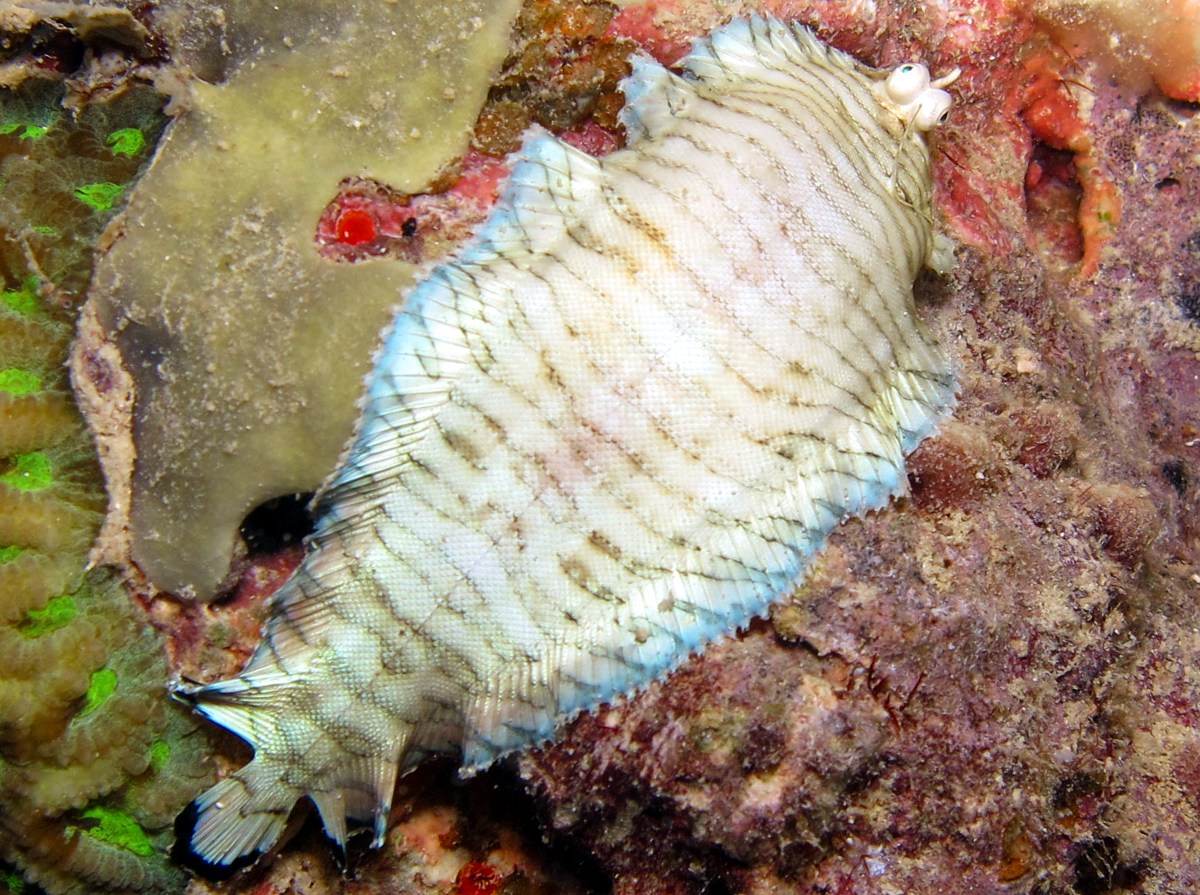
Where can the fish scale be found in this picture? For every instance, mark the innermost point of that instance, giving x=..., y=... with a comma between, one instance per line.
x=613, y=429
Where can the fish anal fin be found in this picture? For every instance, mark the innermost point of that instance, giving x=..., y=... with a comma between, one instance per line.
x=361, y=791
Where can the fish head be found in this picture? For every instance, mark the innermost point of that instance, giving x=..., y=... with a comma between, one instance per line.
x=917, y=100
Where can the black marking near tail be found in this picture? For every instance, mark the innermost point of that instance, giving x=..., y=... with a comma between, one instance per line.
x=182, y=691
x=183, y=854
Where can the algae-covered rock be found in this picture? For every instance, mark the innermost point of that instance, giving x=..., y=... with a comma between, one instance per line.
x=246, y=348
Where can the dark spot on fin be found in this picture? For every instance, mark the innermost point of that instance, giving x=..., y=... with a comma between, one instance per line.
x=183, y=855
x=186, y=857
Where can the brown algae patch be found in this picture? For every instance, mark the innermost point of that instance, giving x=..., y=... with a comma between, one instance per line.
x=245, y=349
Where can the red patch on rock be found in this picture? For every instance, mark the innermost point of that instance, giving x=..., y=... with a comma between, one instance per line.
x=1047, y=105
x=645, y=24
x=478, y=878
x=354, y=227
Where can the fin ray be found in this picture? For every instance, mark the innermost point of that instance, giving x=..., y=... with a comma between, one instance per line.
x=242, y=816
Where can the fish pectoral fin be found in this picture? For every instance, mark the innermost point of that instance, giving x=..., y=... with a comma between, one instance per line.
x=921, y=396
x=514, y=710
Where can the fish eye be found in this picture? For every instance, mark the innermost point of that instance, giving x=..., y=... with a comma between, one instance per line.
x=933, y=109
x=906, y=83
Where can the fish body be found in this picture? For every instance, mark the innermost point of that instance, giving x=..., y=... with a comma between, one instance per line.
x=613, y=429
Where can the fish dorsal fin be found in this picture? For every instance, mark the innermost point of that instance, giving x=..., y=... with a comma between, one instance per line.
x=549, y=180
x=415, y=369
x=654, y=99
x=745, y=48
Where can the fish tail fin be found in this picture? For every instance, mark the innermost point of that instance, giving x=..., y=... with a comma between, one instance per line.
x=245, y=815
x=232, y=824
x=317, y=729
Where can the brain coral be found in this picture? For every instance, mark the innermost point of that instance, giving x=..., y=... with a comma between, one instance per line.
x=94, y=763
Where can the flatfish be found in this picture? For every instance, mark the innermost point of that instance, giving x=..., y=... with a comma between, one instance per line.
x=614, y=428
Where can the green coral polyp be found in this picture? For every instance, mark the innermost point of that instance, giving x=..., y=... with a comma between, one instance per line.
x=13, y=882
x=160, y=754
x=101, y=687
x=99, y=196
x=23, y=300
x=58, y=613
x=29, y=472
x=116, y=828
x=126, y=141
x=81, y=674
x=19, y=382
x=28, y=130
x=10, y=552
